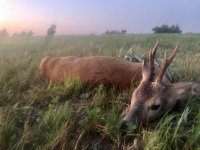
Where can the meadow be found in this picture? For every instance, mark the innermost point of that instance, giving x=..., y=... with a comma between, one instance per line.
x=35, y=114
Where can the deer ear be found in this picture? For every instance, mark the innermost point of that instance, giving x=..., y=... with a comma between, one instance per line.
x=145, y=70
x=184, y=91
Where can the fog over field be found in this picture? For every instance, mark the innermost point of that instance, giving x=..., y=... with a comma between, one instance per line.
x=38, y=114
x=86, y=17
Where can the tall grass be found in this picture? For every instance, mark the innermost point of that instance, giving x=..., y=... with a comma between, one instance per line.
x=39, y=115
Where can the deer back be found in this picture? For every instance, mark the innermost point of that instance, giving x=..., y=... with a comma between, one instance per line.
x=109, y=71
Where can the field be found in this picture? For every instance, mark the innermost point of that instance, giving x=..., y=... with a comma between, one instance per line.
x=38, y=115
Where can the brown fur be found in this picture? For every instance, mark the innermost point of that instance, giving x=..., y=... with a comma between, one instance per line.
x=109, y=71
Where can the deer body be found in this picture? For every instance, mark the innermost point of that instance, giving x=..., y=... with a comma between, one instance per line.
x=109, y=71
x=154, y=96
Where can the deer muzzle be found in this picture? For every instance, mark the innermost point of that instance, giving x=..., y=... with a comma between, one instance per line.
x=132, y=117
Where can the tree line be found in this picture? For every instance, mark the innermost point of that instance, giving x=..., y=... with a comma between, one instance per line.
x=51, y=31
x=167, y=29
x=4, y=33
x=116, y=32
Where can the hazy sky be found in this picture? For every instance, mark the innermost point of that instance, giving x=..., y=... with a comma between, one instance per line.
x=97, y=16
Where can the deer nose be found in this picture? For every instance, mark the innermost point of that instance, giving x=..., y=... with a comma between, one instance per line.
x=124, y=124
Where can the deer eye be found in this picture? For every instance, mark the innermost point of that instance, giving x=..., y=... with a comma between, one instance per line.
x=154, y=107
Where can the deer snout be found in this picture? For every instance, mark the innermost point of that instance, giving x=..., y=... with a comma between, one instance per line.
x=124, y=124
x=131, y=118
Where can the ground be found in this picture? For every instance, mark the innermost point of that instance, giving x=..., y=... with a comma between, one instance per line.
x=35, y=114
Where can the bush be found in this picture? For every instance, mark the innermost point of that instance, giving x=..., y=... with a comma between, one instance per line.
x=167, y=29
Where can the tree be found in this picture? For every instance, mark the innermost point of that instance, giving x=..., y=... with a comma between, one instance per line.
x=4, y=33
x=23, y=33
x=51, y=30
x=15, y=35
x=116, y=32
x=167, y=29
x=123, y=32
x=30, y=33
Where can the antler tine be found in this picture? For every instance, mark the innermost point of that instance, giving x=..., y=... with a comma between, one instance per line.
x=152, y=55
x=155, y=48
x=167, y=62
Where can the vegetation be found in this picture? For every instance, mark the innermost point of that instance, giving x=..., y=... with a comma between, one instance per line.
x=51, y=30
x=115, y=32
x=4, y=33
x=35, y=114
x=167, y=29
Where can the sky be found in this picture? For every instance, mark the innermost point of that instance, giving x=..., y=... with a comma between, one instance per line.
x=97, y=16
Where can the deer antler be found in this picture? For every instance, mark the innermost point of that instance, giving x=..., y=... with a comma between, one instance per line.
x=152, y=55
x=167, y=62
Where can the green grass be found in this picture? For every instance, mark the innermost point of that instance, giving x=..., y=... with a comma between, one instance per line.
x=38, y=115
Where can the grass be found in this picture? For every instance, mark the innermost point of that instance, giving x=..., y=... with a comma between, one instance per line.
x=35, y=114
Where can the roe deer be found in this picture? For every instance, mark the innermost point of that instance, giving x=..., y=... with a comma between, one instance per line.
x=109, y=71
x=153, y=97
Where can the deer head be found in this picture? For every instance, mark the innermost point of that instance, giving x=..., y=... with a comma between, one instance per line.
x=154, y=97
